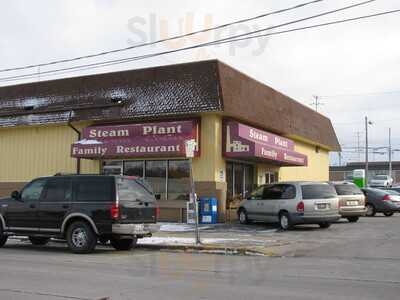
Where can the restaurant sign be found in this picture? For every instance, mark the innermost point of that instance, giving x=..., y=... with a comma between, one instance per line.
x=243, y=141
x=158, y=139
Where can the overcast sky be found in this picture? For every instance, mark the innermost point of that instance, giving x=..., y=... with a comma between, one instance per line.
x=353, y=67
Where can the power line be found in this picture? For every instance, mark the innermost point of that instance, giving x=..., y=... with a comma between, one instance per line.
x=218, y=42
x=161, y=40
x=360, y=94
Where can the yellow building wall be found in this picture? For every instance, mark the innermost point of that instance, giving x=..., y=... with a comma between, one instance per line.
x=317, y=169
x=32, y=151
x=210, y=166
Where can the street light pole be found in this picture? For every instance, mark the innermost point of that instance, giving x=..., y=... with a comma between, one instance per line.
x=390, y=152
x=366, y=151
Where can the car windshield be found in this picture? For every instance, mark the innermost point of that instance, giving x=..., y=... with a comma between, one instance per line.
x=318, y=191
x=347, y=189
x=380, y=177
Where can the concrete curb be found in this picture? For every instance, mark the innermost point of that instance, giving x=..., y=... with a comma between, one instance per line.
x=210, y=249
x=202, y=248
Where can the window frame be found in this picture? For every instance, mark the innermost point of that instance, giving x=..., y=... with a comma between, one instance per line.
x=30, y=184
x=45, y=189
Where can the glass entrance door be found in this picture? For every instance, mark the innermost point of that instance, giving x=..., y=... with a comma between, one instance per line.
x=240, y=181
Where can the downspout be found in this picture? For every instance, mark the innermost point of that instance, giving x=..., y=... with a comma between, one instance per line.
x=78, y=160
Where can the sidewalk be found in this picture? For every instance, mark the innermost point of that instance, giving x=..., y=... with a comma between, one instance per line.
x=219, y=238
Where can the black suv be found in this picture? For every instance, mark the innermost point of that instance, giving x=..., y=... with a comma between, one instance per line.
x=81, y=209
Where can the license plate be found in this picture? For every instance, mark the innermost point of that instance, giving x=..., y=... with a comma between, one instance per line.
x=352, y=203
x=322, y=206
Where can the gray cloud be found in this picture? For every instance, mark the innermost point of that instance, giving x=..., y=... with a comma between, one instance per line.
x=354, y=58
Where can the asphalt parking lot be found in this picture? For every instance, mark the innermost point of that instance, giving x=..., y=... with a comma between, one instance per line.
x=346, y=261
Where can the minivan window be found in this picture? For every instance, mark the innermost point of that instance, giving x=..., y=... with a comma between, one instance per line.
x=94, y=189
x=347, y=189
x=132, y=190
x=258, y=193
x=318, y=191
x=280, y=191
x=57, y=190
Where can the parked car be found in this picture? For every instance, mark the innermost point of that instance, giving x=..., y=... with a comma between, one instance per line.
x=81, y=209
x=395, y=188
x=381, y=201
x=290, y=204
x=384, y=181
x=351, y=200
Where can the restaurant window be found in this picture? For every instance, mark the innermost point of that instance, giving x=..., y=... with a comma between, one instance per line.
x=134, y=168
x=169, y=178
x=112, y=167
x=178, y=180
x=156, y=176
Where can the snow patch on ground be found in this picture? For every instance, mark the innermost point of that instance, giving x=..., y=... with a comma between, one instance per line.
x=172, y=227
x=191, y=241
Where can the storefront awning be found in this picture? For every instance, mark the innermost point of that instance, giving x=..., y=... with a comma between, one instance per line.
x=244, y=142
x=158, y=139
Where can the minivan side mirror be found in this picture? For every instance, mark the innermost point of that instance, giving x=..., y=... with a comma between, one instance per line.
x=16, y=195
x=157, y=196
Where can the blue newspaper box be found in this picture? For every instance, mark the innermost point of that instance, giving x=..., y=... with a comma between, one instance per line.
x=208, y=210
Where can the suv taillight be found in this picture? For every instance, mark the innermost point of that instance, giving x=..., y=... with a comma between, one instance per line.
x=157, y=212
x=387, y=198
x=300, y=207
x=115, y=211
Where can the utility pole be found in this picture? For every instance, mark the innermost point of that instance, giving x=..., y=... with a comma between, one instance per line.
x=340, y=159
x=366, y=149
x=358, y=145
x=317, y=103
x=390, y=152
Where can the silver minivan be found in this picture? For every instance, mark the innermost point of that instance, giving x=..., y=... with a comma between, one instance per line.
x=292, y=203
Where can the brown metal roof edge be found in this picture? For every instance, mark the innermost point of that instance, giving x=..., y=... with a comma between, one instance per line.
x=333, y=146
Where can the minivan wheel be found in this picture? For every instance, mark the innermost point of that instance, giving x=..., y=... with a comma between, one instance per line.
x=243, y=219
x=123, y=244
x=324, y=225
x=388, y=214
x=353, y=219
x=285, y=222
x=370, y=210
x=80, y=238
x=39, y=241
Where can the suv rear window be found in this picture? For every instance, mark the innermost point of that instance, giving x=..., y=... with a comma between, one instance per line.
x=133, y=189
x=318, y=191
x=347, y=189
x=95, y=189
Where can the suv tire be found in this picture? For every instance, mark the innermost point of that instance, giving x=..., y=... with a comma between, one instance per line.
x=243, y=218
x=285, y=222
x=39, y=241
x=3, y=238
x=80, y=238
x=353, y=219
x=324, y=225
x=123, y=244
x=388, y=214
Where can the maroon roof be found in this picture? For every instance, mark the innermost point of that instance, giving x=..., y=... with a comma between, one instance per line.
x=161, y=92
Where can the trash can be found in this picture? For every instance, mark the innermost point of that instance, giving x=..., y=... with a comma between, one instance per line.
x=208, y=210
